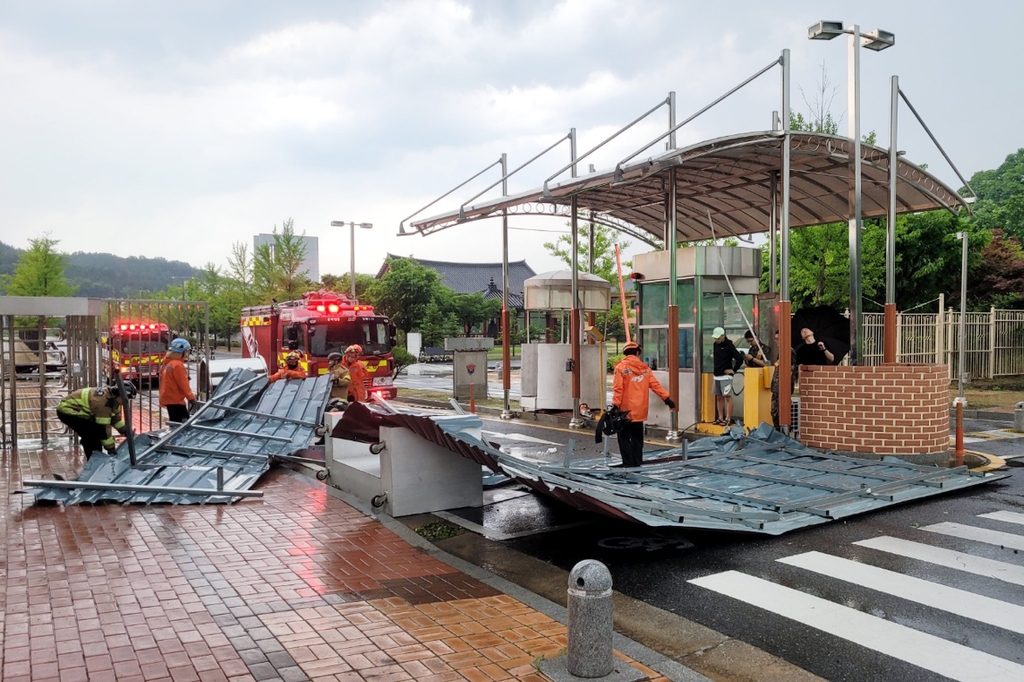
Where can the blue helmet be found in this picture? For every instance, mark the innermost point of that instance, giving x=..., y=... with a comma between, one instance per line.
x=180, y=346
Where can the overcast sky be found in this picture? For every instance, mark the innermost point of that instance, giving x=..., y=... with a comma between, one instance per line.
x=178, y=129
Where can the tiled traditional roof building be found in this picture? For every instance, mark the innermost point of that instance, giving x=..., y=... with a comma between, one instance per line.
x=475, y=278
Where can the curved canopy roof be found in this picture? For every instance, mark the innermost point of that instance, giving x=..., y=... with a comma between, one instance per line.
x=731, y=178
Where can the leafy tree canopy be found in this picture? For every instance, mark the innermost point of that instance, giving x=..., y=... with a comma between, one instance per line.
x=404, y=292
x=40, y=271
x=605, y=239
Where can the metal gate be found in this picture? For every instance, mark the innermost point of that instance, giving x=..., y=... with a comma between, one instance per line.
x=50, y=347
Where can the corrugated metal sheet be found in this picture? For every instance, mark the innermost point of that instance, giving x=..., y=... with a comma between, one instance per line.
x=247, y=423
x=762, y=482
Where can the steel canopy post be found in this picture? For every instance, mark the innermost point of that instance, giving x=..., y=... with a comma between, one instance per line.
x=671, y=206
x=574, y=311
x=889, y=353
x=962, y=343
x=785, y=367
x=506, y=331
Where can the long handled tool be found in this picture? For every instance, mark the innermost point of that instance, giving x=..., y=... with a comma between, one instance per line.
x=622, y=294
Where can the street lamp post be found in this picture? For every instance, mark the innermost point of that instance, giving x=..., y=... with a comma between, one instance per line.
x=353, y=226
x=876, y=40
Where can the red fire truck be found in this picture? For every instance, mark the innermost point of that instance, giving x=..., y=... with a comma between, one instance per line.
x=135, y=349
x=323, y=322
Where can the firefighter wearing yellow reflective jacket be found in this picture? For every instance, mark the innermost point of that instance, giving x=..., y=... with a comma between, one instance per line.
x=93, y=413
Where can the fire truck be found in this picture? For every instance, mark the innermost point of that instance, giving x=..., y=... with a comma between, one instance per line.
x=323, y=322
x=136, y=349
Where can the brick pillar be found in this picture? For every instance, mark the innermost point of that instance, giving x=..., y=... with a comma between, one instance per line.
x=882, y=410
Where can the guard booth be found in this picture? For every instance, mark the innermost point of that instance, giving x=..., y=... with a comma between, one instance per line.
x=706, y=301
x=547, y=367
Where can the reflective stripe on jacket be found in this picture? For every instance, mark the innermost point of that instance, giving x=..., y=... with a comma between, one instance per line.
x=340, y=381
x=633, y=380
x=98, y=405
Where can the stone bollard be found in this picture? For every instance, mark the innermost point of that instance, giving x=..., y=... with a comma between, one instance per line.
x=1018, y=417
x=589, y=653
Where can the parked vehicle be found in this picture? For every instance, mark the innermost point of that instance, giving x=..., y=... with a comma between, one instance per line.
x=321, y=323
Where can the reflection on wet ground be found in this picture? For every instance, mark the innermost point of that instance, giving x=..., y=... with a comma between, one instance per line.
x=296, y=586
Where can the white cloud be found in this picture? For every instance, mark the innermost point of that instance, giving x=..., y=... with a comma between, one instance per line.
x=180, y=136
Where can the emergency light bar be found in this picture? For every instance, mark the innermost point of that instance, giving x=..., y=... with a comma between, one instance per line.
x=140, y=327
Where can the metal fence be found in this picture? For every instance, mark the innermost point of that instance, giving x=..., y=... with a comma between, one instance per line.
x=44, y=357
x=994, y=341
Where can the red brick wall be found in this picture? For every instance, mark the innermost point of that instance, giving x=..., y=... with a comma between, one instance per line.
x=885, y=410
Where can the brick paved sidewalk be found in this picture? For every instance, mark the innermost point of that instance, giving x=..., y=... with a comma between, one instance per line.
x=296, y=586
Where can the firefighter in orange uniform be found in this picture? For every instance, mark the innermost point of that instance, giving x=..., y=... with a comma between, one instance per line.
x=291, y=369
x=358, y=376
x=633, y=380
x=175, y=391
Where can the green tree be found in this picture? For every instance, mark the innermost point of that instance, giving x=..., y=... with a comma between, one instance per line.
x=341, y=284
x=437, y=325
x=472, y=309
x=276, y=267
x=40, y=271
x=928, y=255
x=1000, y=200
x=604, y=250
x=404, y=292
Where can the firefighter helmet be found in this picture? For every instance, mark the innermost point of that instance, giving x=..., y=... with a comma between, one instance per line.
x=631, y=348
x=180, y=345
x=334, y=357
x=292, y=360
x=355, y=348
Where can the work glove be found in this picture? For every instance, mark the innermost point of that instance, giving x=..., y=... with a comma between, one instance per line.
x=110, y=450
x=671, y=403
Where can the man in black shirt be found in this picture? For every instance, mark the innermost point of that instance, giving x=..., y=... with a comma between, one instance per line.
x=813, y=351
x=727, y=361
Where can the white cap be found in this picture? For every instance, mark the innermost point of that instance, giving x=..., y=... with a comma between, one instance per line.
x=718, y=333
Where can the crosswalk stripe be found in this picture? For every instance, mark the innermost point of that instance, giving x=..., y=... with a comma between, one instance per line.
x=991, y=537
x=949, y=558
x=1008, y=516
x=967, y=604
x=926, y=651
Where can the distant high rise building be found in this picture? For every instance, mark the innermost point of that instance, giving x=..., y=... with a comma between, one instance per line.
x=312, y=262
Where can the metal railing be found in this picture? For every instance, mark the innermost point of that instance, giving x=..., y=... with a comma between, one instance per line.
x=994, y=341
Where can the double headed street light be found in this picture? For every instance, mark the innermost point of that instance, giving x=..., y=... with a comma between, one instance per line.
x=365, y=226
x=876, y=40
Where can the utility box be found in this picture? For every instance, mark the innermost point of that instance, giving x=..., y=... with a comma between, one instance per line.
x=469, y=365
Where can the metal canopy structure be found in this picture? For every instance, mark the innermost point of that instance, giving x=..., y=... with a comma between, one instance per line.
x=214, y=457
x=732, y=178
x=763, y=482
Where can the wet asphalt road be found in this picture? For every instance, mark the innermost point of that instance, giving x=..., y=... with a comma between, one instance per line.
x=655, y=565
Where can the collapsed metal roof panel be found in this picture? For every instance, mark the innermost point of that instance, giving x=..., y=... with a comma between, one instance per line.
x=761, y=482
x=224, y=448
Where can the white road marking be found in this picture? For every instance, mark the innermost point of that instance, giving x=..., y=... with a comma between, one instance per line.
x=1007, y=516
x=899, y=641
x=990, y=568
x=960, y=602
x=991, y=537
x=521, y=437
